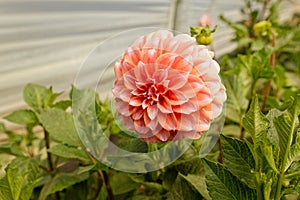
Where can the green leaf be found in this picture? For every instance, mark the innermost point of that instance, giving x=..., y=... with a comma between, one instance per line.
x=268, y=153
x=236, y=100
x=20, y=179
x=62, y=104
x=190, y=166
x=198, y=182
x=181, y=190
x=294, y=152
x=238, y=159
x=59, y=182
x=60, y=125
x=122, y=183
x=2, y=128
x=134, y=145
x=255, y=123
x=223, y=185
x=69, y=152
x=38, y=97
x=286, y=126
x=24, y=117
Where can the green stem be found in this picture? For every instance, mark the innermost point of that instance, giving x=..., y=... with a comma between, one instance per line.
x=278, y=187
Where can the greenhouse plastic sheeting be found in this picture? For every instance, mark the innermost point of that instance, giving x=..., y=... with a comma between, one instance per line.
x=45, y=42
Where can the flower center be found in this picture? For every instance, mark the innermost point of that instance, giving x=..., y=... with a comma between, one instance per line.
x=150, y=92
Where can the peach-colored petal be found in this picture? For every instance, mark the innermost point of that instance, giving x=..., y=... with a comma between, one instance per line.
x=167, y=87
x=152, y=111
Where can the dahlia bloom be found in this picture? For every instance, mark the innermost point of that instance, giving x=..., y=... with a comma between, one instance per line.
x=167, y=87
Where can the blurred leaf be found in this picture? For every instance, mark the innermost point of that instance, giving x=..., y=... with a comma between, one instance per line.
x=223, y=185
x=190, y=166
x=84, y=169
x=286, y=126
x=2, y=128
x=236, y=101
x=20, y=179
x=122, y=183
x=59, y=182
x=38, y=97
x=169, y=178
x=255, y=123
x=181, y=190
x=231, y=130
x=24, y=117
x=78, y=191
x=135, y=145
x=198, y=182
x=280, y=78
x=69, y=152
x=11, y=148
x=63, y=104
x=60, y=125
x=238, y=159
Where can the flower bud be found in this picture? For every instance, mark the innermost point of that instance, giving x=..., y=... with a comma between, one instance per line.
x=203, y=35
x=263, y=29
x=204, y=21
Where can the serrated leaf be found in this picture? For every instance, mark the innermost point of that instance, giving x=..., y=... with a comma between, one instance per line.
x=255, y=123
x=238, y=159
x=11, y=185
x=268, y=153
x=294, y=152
x=24, y=117
x=69, y=152
x=223, y=185
x=286, y=127
x=60, y=125
x=37, y=96
x=59, y=182
x=181, y=190
x=198, y=182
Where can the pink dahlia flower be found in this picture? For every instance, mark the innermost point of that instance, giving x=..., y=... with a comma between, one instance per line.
x=167, y=87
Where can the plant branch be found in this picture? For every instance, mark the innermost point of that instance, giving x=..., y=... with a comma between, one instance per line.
x=49, y=158
x=272, y=63
x=103, y=175
x=47, y=143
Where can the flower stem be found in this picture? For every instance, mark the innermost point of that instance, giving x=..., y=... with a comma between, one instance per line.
x=272, y=63
x=49, y=159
